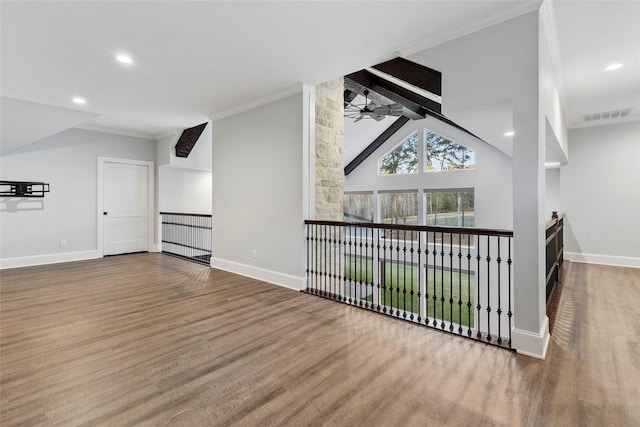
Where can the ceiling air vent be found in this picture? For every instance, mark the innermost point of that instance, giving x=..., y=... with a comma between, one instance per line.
x=188, y=139
x=605, y=115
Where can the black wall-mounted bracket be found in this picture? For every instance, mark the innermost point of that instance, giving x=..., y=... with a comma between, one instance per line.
x=23, y=189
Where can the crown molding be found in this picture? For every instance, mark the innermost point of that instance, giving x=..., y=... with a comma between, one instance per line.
x=257, y=103
x=454, y=33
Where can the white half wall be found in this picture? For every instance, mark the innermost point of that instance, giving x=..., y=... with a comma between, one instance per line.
x=184, y=190
x=553, y=199
x=31, y=230
x=258, y=175
x=600, y=190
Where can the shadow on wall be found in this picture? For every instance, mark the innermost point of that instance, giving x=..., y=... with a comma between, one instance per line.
x=17, y=204
x=570, y=243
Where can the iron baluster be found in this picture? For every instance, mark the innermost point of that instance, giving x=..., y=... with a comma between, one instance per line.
x=450, y=282
x=469, y=304
x=460, y=283
x=404, y=274
x=478, y=306
x=419, y=278
x=442, y=299
x=499, y=311
x=488, y=289
x=509, y=261
x=435, y=281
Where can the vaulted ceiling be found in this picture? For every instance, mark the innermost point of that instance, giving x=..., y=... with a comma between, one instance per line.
x=191, y=60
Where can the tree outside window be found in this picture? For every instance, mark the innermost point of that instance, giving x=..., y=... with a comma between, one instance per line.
x=358, y=207
x=450, y=208
x=442, y=154
x=399, y=208
x=403, y=159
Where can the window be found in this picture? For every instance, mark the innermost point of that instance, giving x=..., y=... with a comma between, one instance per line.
x=399, y=207
x=450, y=208
x=358, y=207
x=403, y=159
x=442, y=154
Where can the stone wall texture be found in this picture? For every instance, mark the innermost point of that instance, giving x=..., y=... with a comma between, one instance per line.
x=329, y=173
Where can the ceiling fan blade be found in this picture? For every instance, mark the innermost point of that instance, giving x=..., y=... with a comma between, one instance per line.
x=378, y=117
x=389, y=110
x=360, y=117
x=396, y=109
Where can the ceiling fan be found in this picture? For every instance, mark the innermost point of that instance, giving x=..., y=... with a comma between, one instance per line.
x=371, y=110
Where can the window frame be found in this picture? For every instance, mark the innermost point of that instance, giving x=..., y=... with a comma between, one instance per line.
x=415, y=133
x=381, y=193
x=425, y=151
x=427, y=192
x=372, y=204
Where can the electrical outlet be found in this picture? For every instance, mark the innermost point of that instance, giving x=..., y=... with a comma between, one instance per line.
x=63, y=243
x=255, y=253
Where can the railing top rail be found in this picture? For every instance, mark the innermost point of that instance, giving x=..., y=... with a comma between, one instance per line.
x=186, y=214
x=553, y=221
x=455, y=230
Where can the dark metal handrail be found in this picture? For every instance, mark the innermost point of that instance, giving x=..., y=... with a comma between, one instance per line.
x=458, y=280
x=185, y=214
x=430, y=228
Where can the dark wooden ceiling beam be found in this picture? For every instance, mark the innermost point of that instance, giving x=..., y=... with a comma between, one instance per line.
x=188, y=139
x=384, y=136
x=413, y=73
x=408, y=99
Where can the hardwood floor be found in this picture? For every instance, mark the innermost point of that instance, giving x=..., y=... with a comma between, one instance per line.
x=148, y=339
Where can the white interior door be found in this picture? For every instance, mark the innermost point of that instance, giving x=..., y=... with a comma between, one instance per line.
x=125, y=208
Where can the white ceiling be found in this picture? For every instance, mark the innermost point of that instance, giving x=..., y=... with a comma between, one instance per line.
x=591, y=36
x=197, y=59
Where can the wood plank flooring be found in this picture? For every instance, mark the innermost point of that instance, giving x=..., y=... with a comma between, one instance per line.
x=148, y=339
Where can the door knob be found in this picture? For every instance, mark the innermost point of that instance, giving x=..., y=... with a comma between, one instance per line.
x=104, y=213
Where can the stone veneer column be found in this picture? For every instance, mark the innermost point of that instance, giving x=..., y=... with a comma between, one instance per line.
x=329, y=184
x=329, y=172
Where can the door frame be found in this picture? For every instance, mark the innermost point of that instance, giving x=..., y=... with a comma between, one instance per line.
x=150, y=199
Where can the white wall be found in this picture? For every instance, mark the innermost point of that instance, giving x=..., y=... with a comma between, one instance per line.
x=184, y=190
x=600, y=189
x=489, y=67
x=258, y=192
x=550, y=103
x=31, y=229
x=553, y=200
x=491, y=178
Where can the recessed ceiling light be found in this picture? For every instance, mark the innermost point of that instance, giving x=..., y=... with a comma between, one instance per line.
x=612, y=67
x=124, y=59
x=78, y=100
x=510, y=133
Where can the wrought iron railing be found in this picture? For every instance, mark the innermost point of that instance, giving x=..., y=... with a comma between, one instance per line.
x=187, y=235
x=458, y=280
x=554, y=251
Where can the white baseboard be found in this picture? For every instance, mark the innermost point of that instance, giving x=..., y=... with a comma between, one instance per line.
x=529, y=343
x=269, y=276
x=28, y=261
x=156, y=248
x=620, y=261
